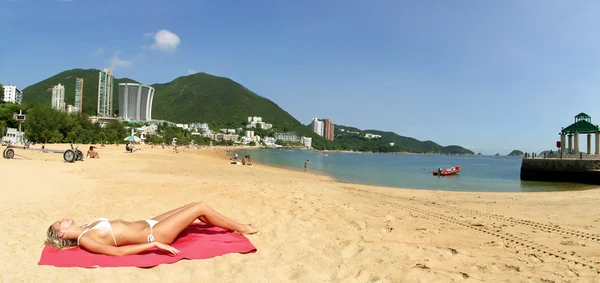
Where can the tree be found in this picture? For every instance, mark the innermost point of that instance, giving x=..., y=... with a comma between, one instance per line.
x=102, y=137
x=71, y=137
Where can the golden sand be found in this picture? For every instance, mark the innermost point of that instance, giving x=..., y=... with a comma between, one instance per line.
x=313, y=228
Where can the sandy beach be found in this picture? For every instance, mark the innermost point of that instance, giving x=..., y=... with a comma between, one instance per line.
x=313, y=228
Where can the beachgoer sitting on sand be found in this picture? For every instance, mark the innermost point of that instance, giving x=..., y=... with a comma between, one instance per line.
x=118, y=237
x=244, y=161
x=44, y=150
x=91, y=153
x=129, y=147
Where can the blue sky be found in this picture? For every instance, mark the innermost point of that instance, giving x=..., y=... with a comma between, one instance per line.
x=490, y=75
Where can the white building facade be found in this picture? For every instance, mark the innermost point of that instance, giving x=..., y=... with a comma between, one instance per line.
x=13, y=136
x=286, y=137
x=306, y=141
x=318, y=126
x=135, y=102
x=372, y=136
x=12, y=94
x=72, y=109
x=58, y=97
x=257, y=122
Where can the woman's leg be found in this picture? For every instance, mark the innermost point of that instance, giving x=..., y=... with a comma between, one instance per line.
x=169, y=213
x=169, y=228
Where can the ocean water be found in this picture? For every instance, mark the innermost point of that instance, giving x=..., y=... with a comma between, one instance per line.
x=478, y=173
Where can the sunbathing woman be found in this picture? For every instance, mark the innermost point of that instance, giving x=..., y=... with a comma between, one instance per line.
x=91, y=153
x=118, y=237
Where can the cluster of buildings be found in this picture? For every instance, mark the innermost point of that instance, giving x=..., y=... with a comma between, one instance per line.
x=239, y=135
x=135, y=105
x=257, y=122
x=367, y=135
x=323, y=127
x=135, y=100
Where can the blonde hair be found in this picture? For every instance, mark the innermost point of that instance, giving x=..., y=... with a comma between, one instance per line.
x=57, y=242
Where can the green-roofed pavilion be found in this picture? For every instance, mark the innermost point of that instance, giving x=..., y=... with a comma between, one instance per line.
x=583, y=125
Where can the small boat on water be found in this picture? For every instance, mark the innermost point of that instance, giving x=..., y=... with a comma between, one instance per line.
x=448, y=171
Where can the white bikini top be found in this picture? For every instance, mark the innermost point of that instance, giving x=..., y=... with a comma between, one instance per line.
x=103, y=224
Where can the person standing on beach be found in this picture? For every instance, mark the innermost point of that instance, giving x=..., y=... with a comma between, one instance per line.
x=306, y=165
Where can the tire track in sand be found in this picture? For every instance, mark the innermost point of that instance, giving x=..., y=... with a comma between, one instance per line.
x=529, y=245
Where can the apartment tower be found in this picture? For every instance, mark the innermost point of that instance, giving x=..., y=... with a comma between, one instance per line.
x=12, y=94
x=329, y=133
x=135, y=102
x=58, y=97
x=79, y=95
x=318, y=127
x=105, y=93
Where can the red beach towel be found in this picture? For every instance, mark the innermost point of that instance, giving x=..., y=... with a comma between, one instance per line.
x=199, y=241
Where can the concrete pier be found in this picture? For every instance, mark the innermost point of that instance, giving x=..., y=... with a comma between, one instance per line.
x=585, y=171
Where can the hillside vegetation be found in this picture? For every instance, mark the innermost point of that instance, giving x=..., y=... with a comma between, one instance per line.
x=515, y=153
x=407, y=144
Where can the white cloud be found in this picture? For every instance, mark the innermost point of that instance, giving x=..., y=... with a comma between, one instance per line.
x=191, y=71
x=97, y=52
x=164, y=40
x=116, y=62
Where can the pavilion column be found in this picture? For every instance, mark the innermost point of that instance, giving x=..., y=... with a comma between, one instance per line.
x=597, y=143
x=576, y=138
x=589, y=144
x=570, y=147
x=562, y=143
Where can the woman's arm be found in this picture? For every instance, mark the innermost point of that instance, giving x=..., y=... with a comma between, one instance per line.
x=99, y=248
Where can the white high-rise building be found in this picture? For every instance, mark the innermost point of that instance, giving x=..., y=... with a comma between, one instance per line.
x=318, y=126
x=135, y=102
x=58, y=97
x=105, y=93
x=12, y=94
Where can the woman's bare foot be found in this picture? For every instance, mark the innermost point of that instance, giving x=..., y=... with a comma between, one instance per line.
x=250, y=229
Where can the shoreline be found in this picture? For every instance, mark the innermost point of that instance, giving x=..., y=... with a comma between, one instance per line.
x=585, y=187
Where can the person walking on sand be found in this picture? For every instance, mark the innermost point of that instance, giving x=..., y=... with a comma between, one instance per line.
x=306, y=165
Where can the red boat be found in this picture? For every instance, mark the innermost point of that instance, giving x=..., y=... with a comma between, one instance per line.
x=448, y=171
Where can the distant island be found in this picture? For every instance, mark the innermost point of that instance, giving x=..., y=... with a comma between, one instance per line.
x=515, y=153
x=497, y=154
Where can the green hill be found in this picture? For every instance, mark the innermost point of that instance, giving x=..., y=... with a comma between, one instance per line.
x=41, y=92
x=200, y=97
x=515, y=153
x=407, y=144
x=219, y=101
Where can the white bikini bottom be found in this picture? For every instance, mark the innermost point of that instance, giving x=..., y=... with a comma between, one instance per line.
x=151, y=223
